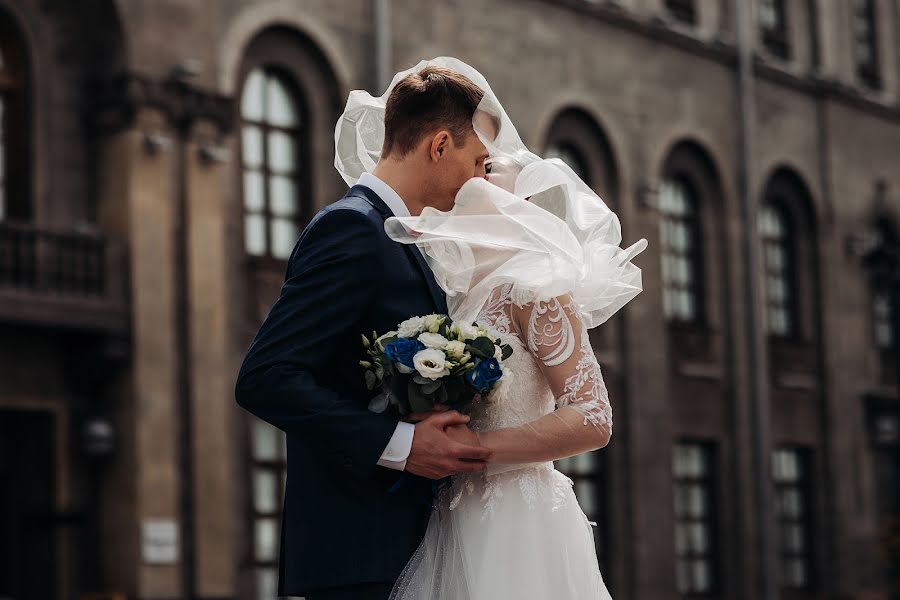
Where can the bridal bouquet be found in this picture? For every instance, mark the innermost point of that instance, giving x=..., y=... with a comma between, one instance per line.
x=431, y=360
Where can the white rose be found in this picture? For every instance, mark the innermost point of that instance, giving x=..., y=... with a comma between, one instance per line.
x=455, y=349
x=433, y=322
x=498, y=353
x=431, y=363
x=434, y=340
x=410, y=327
x=467, y=332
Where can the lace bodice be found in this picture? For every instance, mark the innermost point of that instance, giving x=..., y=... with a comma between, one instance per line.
x=552, y=371
x=552, y=366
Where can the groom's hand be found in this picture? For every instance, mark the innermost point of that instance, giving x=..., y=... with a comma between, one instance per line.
x=435, y=454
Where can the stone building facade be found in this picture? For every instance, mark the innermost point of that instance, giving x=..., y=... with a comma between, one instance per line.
x=158, y=158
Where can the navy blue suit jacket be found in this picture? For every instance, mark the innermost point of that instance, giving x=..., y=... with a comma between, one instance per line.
x=341, y=524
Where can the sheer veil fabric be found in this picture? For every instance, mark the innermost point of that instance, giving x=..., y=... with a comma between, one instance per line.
x=534, y=254
x=562, y=239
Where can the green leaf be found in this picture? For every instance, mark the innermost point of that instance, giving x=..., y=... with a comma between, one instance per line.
x=379, y=403
x=371, y=380
x=431, y=387
x=481, y=347
x=507, y=351
x=417, y=401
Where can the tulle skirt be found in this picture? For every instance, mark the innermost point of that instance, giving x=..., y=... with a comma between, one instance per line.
x=516, y=535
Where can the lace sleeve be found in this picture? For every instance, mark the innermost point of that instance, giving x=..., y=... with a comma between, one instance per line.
x=557, y=337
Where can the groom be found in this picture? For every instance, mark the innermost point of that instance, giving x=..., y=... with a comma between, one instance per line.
x=348, y=527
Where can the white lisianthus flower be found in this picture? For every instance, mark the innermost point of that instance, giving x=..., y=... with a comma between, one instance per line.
x=466, y=331
x=411, y=327
x=431, y=363
x=433, y=340
x=379, y=343
x=498, y=353
x=492, y=333
x=455, y=349
x=433, y=323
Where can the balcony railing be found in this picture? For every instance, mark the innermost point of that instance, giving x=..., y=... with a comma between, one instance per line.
x=66, y=279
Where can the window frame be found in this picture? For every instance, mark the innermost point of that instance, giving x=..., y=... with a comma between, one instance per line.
x=301, y=176
x=788, y=241
x=694, y=256
x=777, y=40
x=709, y=482
x=805, y=484
x=869, y=72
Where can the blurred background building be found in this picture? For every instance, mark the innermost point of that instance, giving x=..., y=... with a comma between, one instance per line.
x=158, y=159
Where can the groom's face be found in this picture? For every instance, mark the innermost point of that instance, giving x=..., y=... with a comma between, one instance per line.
x=457, y=164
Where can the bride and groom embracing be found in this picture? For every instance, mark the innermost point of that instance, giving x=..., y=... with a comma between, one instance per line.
x=448, y=213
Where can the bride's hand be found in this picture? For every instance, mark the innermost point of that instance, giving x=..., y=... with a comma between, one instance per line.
x=463, y=435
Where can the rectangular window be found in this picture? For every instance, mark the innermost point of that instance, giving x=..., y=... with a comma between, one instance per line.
x=267, y=479
x=588, y=473
x=773, y=23
x=865, y=43
x=693, y=474
x=792, y=476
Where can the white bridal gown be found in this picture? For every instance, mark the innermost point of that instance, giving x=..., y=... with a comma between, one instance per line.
x=517, y=531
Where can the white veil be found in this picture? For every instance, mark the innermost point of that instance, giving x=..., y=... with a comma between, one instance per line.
x=562, y=240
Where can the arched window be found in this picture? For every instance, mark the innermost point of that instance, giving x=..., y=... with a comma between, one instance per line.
x=576, y=138
x=680, y=249
x=778, y=262
x=570, y=155
x=14, y=149
x=274, y=159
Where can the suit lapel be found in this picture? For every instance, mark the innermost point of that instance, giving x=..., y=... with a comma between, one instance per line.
x=437, y=294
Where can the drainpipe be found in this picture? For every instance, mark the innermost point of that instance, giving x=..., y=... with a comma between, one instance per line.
x=759, y=405
x=383, y=68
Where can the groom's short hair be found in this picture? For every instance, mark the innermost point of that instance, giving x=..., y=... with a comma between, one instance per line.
x=424, y=102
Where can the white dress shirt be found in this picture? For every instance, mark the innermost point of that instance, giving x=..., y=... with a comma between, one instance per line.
x=397, y=450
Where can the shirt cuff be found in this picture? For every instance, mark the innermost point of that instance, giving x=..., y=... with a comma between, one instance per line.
x=398, y=449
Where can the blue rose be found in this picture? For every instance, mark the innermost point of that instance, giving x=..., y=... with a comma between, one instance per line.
x=484, y=375
x=402, y=350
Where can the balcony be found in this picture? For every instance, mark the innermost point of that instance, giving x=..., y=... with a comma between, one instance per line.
x=62, y=279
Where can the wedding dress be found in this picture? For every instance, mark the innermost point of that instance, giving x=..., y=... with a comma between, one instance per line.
x=516, y=532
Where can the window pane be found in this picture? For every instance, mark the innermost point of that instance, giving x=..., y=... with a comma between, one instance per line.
x=266, y=584
x=265, y=486
x=265, y=440
x=283, y=196
x=282, y=152
x=698, y=540
x=252, y=151
x=253, y=191
x=701, y=572
x=681, y=539
x=696, y=501
x=255, y=235
x=284, y=236
x=280, y=107
x=586, y=491
x=266, y=539
x=252, y=97
x=793, y=538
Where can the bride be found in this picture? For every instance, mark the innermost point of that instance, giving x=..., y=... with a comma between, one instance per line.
x=532, y=254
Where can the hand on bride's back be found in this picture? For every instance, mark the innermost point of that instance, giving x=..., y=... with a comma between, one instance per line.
x=444, y=445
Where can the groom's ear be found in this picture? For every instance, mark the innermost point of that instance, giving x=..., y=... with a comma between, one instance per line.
x=439, y=144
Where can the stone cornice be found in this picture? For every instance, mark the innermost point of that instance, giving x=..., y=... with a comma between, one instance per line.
x=118, y=100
